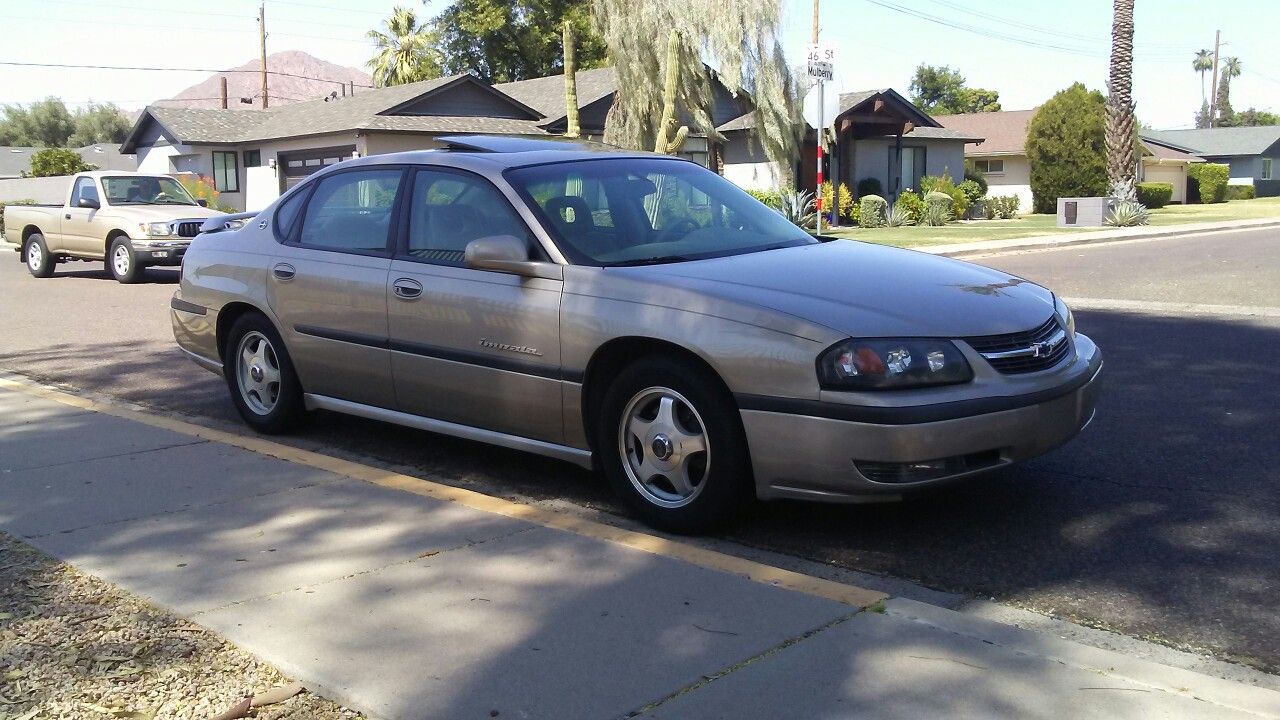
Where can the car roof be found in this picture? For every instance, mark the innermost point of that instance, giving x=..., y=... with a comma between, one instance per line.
x=495, y=154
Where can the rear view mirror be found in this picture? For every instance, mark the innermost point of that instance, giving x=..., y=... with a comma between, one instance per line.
x=202, y=202
x=509, y=254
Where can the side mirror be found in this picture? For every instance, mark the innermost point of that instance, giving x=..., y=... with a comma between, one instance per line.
x=202, y=202
x=509, y=254
x=89, y=203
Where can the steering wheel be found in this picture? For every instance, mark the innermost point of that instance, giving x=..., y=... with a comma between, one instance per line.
x=159, y=196
x=684, y=226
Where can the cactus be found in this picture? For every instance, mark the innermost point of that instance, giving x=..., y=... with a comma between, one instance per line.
x=666, y=142
x=571, y=129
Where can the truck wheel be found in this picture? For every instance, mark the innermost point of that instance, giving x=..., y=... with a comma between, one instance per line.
x=39, y=262
x=260, y=375
x=672, y=445
x=122, y=263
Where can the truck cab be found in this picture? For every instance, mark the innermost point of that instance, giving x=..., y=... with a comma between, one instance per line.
x=128, y=220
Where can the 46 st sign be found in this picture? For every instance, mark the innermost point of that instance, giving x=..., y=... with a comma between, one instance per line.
x=820, y=62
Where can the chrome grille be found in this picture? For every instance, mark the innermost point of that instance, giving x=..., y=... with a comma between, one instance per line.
x=189, y=229
x=1025, y=352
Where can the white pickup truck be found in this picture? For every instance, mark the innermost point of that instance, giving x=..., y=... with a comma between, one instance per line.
x=129, y=220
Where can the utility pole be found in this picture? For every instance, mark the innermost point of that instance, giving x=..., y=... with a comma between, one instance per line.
x=224, y=92
x=1213, y=102
x=262, y=42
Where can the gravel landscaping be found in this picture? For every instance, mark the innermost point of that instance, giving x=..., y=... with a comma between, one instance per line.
x=74, y=646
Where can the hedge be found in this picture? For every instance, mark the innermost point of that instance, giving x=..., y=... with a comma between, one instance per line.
x=1155, y=194
x=772, y=198
x=871, y=211
x=1208, y=181
x=1241, y=192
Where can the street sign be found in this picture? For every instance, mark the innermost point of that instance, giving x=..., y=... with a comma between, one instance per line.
x=821, y=70
x=820, y=60
x=820, y=109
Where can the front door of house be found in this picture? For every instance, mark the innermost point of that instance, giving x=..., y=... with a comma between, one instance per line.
x=906, y=167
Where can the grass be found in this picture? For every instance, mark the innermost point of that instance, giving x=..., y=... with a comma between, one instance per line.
x=1032, y=225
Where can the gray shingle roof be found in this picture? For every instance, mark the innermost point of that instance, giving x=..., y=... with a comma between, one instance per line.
x=546, y=94
x=455, y=124
x=1213, y=142
x=202, y=125
x=15, y=160
x=943, y=133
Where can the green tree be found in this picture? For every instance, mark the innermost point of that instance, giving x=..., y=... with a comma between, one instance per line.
x=1202, y=64
x=58, y=161
x=942, y=91
x=1231, y=68
x=1251, y=118
x=507, y=40
x=406, y=51
x=46, y=123
x=1067, y=147
x=741, y=39
x=1122, y=161
x=99, y=124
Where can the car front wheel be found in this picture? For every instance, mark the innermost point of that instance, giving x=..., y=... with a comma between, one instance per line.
x=122, y=262
x=260, y=376
x=672, y=445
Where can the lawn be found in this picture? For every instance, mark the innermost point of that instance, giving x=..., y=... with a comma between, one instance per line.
x=1032, y=225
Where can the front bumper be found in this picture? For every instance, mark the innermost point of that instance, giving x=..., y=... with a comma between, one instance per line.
x=835, y=460
x=160, y=252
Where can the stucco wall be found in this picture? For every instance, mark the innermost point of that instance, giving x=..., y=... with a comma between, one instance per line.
x=1015, y=180
x=745, y=164
x=871, y=159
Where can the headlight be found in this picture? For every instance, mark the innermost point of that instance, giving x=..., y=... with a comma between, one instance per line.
x=1064, y=313
x=155, y=229
x=885, y=364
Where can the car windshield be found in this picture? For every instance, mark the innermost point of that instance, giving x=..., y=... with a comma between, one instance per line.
x=145, y=190
x=629, y=211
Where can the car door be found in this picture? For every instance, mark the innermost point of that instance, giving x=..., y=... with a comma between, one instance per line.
x=474, y=347
x=77, y=222
x=328, y=285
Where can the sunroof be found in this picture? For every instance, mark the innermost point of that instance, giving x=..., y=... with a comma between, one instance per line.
x=508, y=144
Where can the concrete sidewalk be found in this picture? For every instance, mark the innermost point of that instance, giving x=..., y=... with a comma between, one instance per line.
x=404, y=605
x=1039, y=242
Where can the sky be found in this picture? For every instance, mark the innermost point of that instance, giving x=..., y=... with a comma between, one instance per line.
x=1025, y=49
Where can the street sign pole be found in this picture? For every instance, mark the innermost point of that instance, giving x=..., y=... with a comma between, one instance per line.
x=819, y=67
x=822, y=87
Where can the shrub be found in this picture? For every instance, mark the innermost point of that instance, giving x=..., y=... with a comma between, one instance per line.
x=972, y=190
x=1210, y=180
x=798, y=207
x=1127, y=214
x=944, y=184
x=871, y=211
x=844, y=206
x=855, y=213
x=898, y=215
x=772, y=198
x=1154, y=194
x=937, y=208
x=1241, y=192
x=977, y=177
x=910, y=203
x=52, y=162
x=1066, y=145
x=1006, y=206
x=869, y=186
x=201, y=188
x=27, y=201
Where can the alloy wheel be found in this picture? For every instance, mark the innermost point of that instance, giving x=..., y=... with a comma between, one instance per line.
x=120, y=260
x=35, y=256
x=258, y=373
x=664, y=446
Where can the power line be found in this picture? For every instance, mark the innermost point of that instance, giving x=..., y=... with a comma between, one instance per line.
x=90, y=3
x=165, y=69
x=1055, y=32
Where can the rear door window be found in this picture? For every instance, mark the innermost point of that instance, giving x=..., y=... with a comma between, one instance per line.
x=351, y=211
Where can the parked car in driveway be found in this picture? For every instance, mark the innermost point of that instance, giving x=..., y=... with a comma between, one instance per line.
x=634, y=312
x=129, y=220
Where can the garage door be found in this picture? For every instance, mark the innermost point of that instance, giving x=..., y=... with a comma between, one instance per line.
x=298, y=165
x=1175, y=175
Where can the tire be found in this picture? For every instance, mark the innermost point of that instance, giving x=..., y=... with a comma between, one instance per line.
x=36, y=256
x=122, y=261
x=655, y=416
x=253, y=355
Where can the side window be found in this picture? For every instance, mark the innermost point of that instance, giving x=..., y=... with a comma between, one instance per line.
x=351, y=211
x=84, y=189
x=449, y=210
x=577, y=207
x=287, y=213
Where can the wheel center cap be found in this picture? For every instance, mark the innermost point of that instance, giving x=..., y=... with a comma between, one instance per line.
x=662, y=447
x=255, y=372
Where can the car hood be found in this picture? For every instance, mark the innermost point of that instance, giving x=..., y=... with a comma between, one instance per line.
x=867, y=290
x=162, y=213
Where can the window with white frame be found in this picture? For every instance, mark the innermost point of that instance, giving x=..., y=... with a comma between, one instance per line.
x=226, y=172
x=989, y=167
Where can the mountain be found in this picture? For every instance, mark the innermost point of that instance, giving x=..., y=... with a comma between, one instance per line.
x=282, y=89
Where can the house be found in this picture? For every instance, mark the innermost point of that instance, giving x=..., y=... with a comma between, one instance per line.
x=1252, y=152
x=15, y=161
x=1002, y=157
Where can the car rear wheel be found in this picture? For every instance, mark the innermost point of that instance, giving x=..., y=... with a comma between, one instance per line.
x=260, y=376
x=672, y=445
x=122, y=263
x=37, y=256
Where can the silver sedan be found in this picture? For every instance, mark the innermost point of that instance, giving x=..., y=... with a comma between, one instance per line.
x=635, y=313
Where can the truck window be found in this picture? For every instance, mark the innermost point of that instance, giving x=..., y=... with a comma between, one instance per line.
x=84, y=188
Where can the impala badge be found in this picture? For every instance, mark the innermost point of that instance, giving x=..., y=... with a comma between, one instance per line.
x=487, y=343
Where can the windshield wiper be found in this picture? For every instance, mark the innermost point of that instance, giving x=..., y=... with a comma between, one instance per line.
x=656, y=260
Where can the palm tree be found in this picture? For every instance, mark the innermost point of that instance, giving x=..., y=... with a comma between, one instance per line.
x=406, y=51
x=1230, y=68
x=1202, y=64
x=1121, y=161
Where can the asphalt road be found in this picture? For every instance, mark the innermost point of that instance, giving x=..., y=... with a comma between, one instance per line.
x=1161, y=521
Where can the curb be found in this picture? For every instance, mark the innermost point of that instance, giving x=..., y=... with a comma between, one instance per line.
x=1041, y=242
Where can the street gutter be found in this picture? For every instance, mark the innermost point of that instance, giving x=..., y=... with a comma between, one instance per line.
x=1041, y=242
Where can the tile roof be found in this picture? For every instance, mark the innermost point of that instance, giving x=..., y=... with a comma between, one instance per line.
x=1005, y=132
x=546, y=94
x=455, y=124
x=1216, y=142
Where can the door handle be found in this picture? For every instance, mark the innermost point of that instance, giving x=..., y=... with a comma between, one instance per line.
x=283, y=272
x=407, y=289
x=67, y=216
